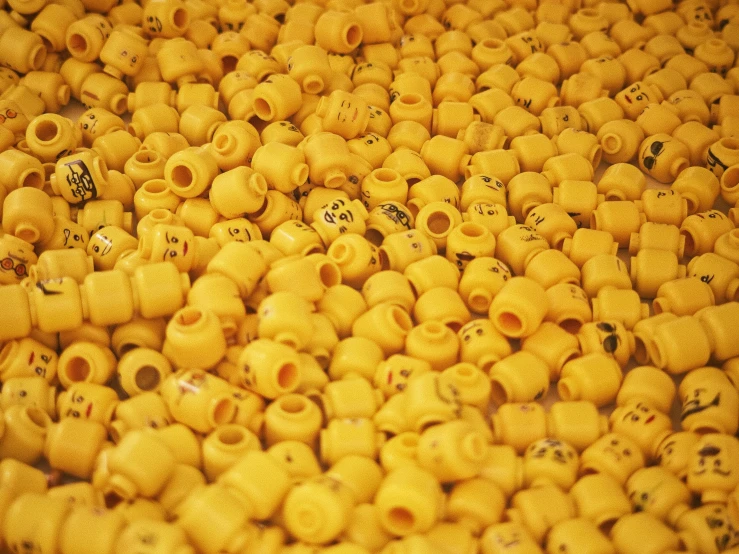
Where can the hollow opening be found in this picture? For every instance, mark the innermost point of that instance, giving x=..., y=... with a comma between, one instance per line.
x=492, y=43
x=28, y=234
x=510, y=323
x=189, y=316
x=313, y=85
x=385, y=174
x=223, y=412
x=293, y=404
x=182, y=176
x=146, y=156
x=46, y=131
x=353, y=35
x=231, y=436
x=438, y=223
x=384, y=260
x=410, y=98
x=229, y=63
x=125, y=347
x=401, y=519
x=689, y=242
x=155, y=186
x=77, y=44
x=338, y=252
x=571, y=325
x=222, y=142
x=78, y=369
x=262, y=108
x=112, y=499
x=498, y=392
x=564, y=391
x=596, y=156
x=589, y=12
x=610, y=143
x=658, y=306
x=472, y=230
x=37, y=416
x=594, y=221
x=374, y=236
x=287, y=376
x=434, y=329
x=454, y=325
x=329, y=275
x=180, y=18
x=401, y=318
x=641, y=352
x=607, y=525
x=120, y=104
x=147, y=378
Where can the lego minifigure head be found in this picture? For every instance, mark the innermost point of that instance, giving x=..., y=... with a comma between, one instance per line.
x=709, y=402
x=171, y=243
x=392, y=375
x=634, y=98
x=16, y=257
x=663, y=157
x=658, y=491
x=96, y=122
x=87, y=401
x=509, y=538
x=107, y=244
x=613, y=453
x=673, y=452
x=234, y=230
x=643, y=424
x=550, y=461
x=713, y=466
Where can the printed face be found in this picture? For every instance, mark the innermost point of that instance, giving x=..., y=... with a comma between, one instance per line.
x=674, y=452
x=509, y=538
x=552, y=461
x=16, y=256
x=711, y=459
x=74, y=236
x=338, y=213
x=615, y=454
x=100, y=245
x=718, y=521
x=173, y=243
x=656, y=490
x=700, y=399
x=76, y=405
x=233, y=230
x=634, y=99
x=641, y=423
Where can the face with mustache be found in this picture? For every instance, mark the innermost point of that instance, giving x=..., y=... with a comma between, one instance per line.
x=713, y=467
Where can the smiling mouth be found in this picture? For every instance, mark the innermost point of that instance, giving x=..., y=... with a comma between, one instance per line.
x=184, y=249
x=89, y=410
x=721, y=472
x=356, y=112
x=628, y=98
x=650, y=419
